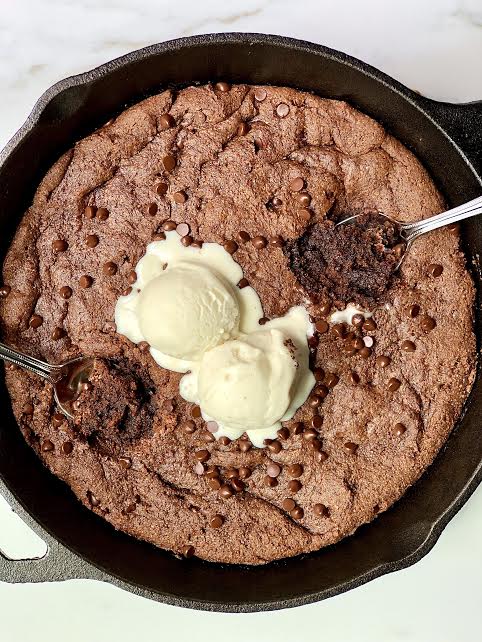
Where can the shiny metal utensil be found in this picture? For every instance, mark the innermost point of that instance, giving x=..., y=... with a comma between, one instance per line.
x=410, y=231
x=66, y=378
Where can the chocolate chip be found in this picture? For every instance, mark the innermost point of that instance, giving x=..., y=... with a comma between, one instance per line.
x=408, y=346
x=414, y=311
x=263, y=321
x=369, y=325
x=435, y=270
x=186, y=240
x=85, y=281
x=28, y=409
x=298, y=428
x=453, y=228
x=399, y=429
x=214, y=483
x=321, y=456
x=260, y=94
x=275, y=447
x=226, y=491
x=305, y=214
x=169, y=226
x=313, y=342
x=260, y=242
x=288, y=504
x=339, y=330
x=189, y=427
x=283, y=434
x=303, y=199
x=351, y=447
x=310, y=434
x=295, y=470
x=244, y=445
x=217, y=521
x=243, y=237
x=321, y=390
x=196, y=412
x=187, y=551
x=92, y=499
x=223, y=87
x=35, y=321
x=297, y=184
x=57, y=334
x=331, y=380
x=383, y=361
x=244, y=472
x=102, y=214
x=109, y=268
x=224, y=441
x=60, y=245
x=166, y=121
x=243, y=283
x=321, y=510
x=315, y=401
x=125, y=462
x=270, y=481
x=319, y=374
x=294, y=486
x=354, y=378
x=92, y=241
x=65, y=292
x=357, y=320
x=67, y=447
x=316, y=422
x=197, y=244
x=180, y=198
x=90, y=212
x=169, y=162
x=231, y=473
x=277, y=241
x=365, y=352
x=282, y=110
x=161, y=189
x=273, y=469
x=5, y=291
x=57, y=419
x=321, y=326
x=297, y=513
x=394, y=384
x=358, y=343
x=159, y=236
x=202, y=455
x=238, y=485
x=243, y=129
x=152, y=209
x=427, y=323
x=47, y=446
x=276, y=202
x=131, y=508
x=230, y=247
x=212, y=471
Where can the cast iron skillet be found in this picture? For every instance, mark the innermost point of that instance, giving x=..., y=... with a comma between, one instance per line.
x=447, y=138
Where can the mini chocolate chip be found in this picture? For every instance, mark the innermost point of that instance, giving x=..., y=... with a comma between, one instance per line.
x=159, y=236
x=288, y=504
x=179, y=197
x=358, y=343
x=259, y=242
x=214, y=483
x=273, y=469
x=244, y=472
x=294, y=486
x=244, y=445
x=310, y=434
x=226, y=491
x=238, y=485
x=90, y=212
x=169, y=226
x=243, y=237
x=92, y=499
x=223, y=87
x=57, y=419
x=85, y=281
x=295, y=470
x=321, y=456
x=351, y=447
x=313, y=342
x=183, y=229
x=60, y=245
x=275, y=447
x=394, y=384
x=231, y=473
x=319, y=374
x=195, y=412
x=305, y=214
x=321, y=391
x=169, y=162
x=270, y=481
x=187, y=551
x=435, y=270
x=315, y=401
x=152, y=209
x=65, y=292
x=67, y=447
x=357, y=320
x=57, y=334
x=283, y=434
x=230, y=247
x=339, y=330
x=212, y=471
x=109, y=268
x=243, y=283
x=324, y=308
x=217, y=521
x=202, y=455
x=102, y=214
x=303, y=199
x=260, y=94
x=453, y=228
x=354, y=378
x=243, y=129
x=399, y=429
x=224, y=441
x=92, y=241
x=162, y=188
x=365, y=352
x=197, y=244
x=317, y=422
x=276, y=240
x=282, y=110
x=5, y=291
x=369, y=325
x=263, y=321
x=297, y=184
x=125, y=462
x=207, y=437
x=298, y=428
x=47, y=446
x=276, y=202
x=427, y=323
x=408, y=346
x=35, y=321
x=331, y=380
x=28, y=409
x=186, y=240
x=189, y=426
x=383, y=361
x=166, y=121
x=414, y=311
x=321, y=326
x=297, y=512
x=321, y=510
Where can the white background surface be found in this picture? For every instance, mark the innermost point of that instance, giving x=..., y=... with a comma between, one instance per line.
x=432, y=46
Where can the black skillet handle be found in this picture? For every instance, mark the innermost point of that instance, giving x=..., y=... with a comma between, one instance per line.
x=463, y=123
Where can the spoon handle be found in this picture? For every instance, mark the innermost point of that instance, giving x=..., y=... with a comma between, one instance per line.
x=467, y=210
x=44, y=370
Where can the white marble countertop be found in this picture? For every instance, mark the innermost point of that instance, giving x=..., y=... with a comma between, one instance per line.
x=434, y=46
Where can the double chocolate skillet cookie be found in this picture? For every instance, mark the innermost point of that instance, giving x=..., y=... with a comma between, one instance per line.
x=263, y=171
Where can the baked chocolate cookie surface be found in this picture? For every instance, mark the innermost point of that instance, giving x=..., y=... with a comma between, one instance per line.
x=256, y=169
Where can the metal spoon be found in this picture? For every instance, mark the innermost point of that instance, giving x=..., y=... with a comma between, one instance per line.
x=410, y=231
x=66, y=378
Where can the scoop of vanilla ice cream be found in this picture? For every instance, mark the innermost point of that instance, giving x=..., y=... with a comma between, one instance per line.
x=187, y=310
x=247, y=383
